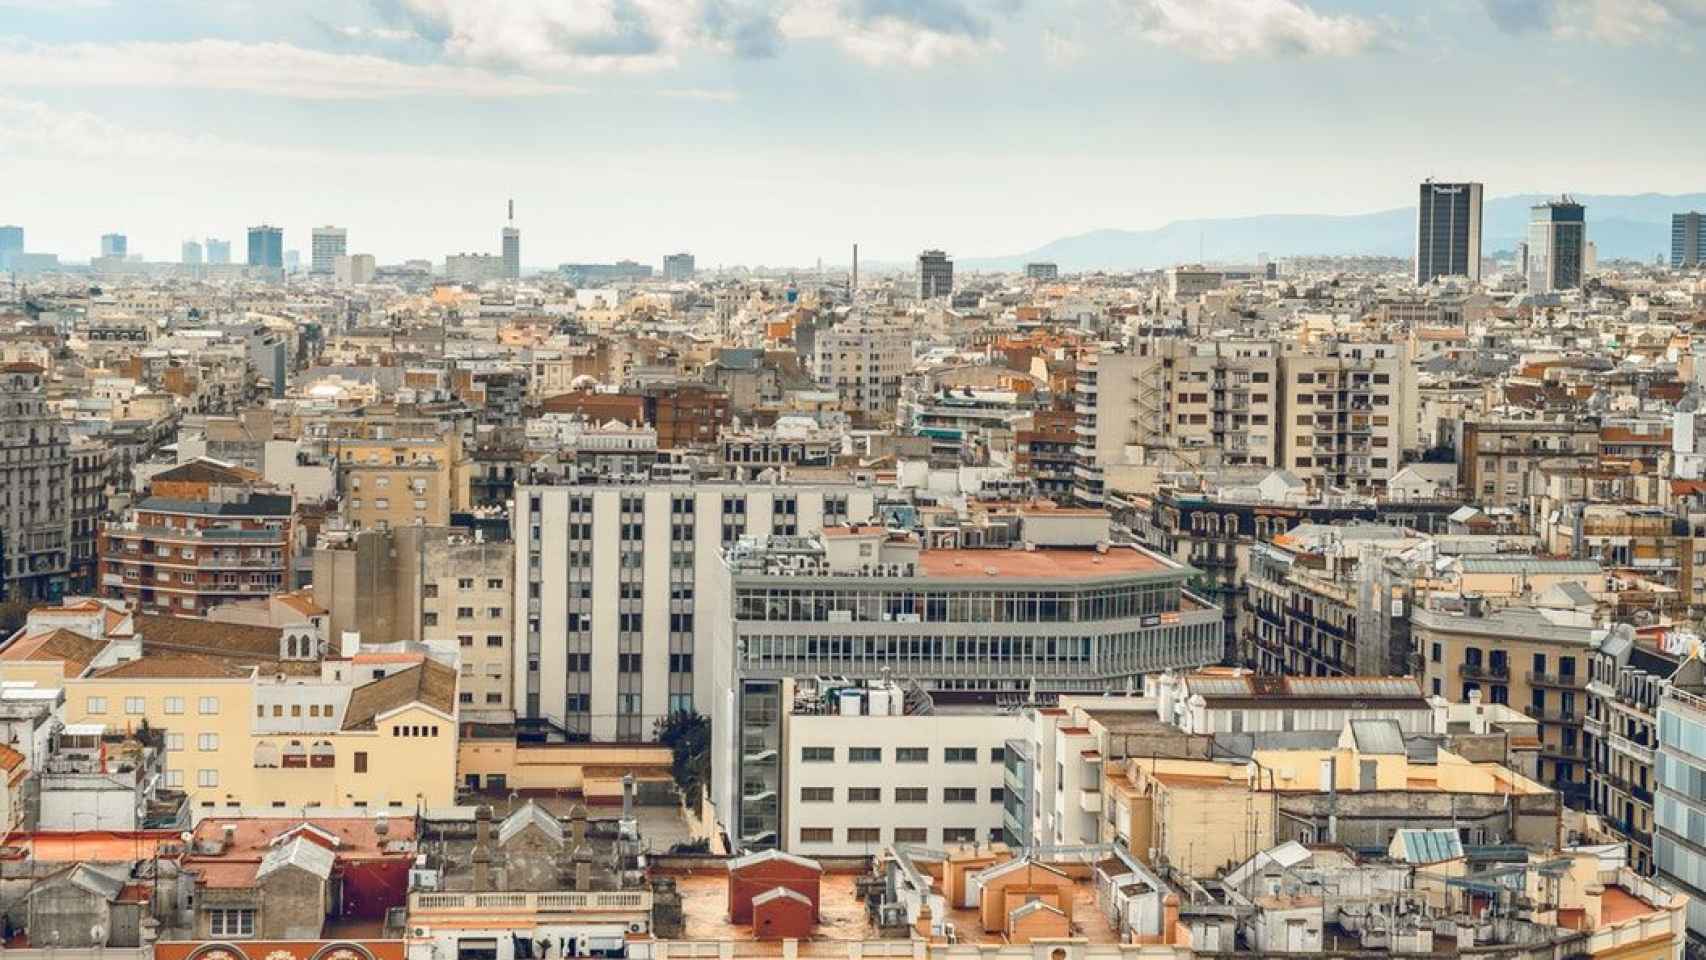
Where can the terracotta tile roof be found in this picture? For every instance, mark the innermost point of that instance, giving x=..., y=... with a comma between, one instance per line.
x=10, y=759
x=189, y=635
x=178, y=666
x=202, y=470
x=431, y=684
x=73, y=649
x=302, y=603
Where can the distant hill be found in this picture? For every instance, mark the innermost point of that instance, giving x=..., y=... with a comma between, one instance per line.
x=1632, y=227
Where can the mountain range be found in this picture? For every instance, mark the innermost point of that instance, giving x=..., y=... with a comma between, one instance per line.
x=1633, y=227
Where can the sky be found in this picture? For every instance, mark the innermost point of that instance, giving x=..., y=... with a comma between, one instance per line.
x=778, y=132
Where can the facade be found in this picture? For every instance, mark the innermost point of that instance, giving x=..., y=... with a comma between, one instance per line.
x=1557, y=246
x=218, y=251
x=1497, y=459
x=114, y=245
x=1448, y=232
x=1042, y=271
x=611, y=671
x=191, y=253
x=511, y=240
x=1679, y=807
x=935, y=275
x=678, y=267
x=858, y=604
x=11, y=245
x=35, y=485
x=90, y=462
x=1530, y=659
x=864, y=361
x=266, y=247
x=1687, y=240
x=473, y=267
x=865, y=765
x=355, y=269
x=327, y=245
x=188, y=552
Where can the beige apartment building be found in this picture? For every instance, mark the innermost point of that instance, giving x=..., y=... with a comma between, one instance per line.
x=1349, y=413
x=1496, y=459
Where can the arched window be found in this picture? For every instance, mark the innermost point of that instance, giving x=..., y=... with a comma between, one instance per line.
x=295, y=755
x=322, y=754
x=266, y=754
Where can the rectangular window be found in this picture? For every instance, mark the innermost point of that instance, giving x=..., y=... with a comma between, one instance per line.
x=959, y=834
x=959, y=794
x=911, y=834
x=231, y=923
x=817, y=794
x=135, y=706
x=174, y=742
x=817, y=835
x=864, y=794
x=207, y=742
x=864, y=754
x=864, y=835
x=208, y=706
x=911, y=754
x=361, y=761
x=207, y=778
x=174, y=706
x=960, y=754
x=911, y=794
x=95, y=705
x=817, y=754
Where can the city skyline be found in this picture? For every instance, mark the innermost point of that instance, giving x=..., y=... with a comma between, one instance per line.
x=638, y=129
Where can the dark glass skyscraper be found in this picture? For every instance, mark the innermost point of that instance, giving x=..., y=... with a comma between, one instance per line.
x=1448, y=231
x=266, y=247
x=1687, y=239
x=1557, y=246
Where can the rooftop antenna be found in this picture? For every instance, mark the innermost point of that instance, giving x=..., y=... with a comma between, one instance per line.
x=511, y=209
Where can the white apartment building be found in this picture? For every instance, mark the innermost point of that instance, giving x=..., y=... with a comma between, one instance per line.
x=873, y=764
x=611, y=667
x=329, y=243
x=865, y=361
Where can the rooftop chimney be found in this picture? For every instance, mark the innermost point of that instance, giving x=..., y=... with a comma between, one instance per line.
x=482, y=849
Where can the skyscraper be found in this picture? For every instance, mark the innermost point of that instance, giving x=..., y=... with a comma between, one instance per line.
x=678, y=266
x=1687, y=239
x=1448, y=231
x=191, y=252
x=11, y=244
x=1557, y=246
x=329, y=244
x=266, y=247
x=512, y=247
x=218, y=251
x=935, y=275
x=114, y=245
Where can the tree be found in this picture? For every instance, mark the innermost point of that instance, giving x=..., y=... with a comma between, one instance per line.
x=13, y=614
x=688, y=736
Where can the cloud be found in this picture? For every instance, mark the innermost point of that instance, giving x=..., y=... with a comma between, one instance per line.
x=914, y=33
x=1226, y=30
x=271, y=69
x=700, y=93
x=1060, y=49
x=1613, y=21
x=30, y=127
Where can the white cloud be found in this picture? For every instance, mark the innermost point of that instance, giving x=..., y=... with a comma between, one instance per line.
x=1060, y=49
x=273, y=69
x=888, y=33
x=30, y=127
x=554, y=37
x=1225, y=30
x=1614, y=21
x=700, y=93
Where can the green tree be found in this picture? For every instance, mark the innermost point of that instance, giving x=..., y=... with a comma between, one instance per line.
x=688, y=736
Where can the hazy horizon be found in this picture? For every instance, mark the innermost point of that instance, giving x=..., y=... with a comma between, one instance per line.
x=780, y=131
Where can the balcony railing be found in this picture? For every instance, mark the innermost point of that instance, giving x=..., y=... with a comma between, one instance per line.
x=1568, y=681
x=1553, y=715
x=1641, y=752
x=615, y=900
x=1484, y=671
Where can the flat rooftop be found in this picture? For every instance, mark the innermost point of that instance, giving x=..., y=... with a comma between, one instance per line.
x=705, y=910
x=1045, y=564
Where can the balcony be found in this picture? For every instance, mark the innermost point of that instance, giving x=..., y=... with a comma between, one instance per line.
x=1553, y=715
x=1484, y=671
x=1567, y=681
x=1641, y=752
x=426, y=904
x=1561, y=751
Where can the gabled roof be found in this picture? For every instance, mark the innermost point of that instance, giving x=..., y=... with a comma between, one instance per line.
x=207, y=470
x=1033, y=906
x=299, y=852
x=89, y=879
x=781, y=893
x=534, y=815
x=73, y=649
x=431, y=684
x=772, y=856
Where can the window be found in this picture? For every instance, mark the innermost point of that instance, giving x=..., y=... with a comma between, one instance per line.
x=816, y=835
x=174, y=741
x=208, y=706
x=175, y=779
x=911, y=834
x=361, y=761
x=464, y=613
x=817, y=794
x=959, y=794
x=430, y=591
x=864, y=794
x=95, y=705
x=997, y=795
x=231, y=923
x=865, y=754
x=959, y=834
x=465, y=640
x=960, y=754
x=135, y=706
x=207, y=742
x=494, y=583
x=207, y=778
x=864, y=835
x=911, y=754
x=997, y=754
x=911, y=794
x=174, y=705
x=430, y=619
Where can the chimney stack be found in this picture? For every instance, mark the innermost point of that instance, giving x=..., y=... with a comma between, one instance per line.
x=482, y=849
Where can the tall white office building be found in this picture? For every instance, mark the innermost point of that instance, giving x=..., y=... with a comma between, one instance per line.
x=329, y=243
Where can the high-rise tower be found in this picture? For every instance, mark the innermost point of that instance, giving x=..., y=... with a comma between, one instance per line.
x=512, y=247
x=1448, y=231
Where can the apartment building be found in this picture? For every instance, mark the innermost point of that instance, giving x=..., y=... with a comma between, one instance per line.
x=1496, y=459
x=610, y=668
x=864, y=360
x=1679, y=813
x=863, y=603
x=443, y=587
x=1530, y=658
x=1628, y=677
x=1043, y=451
x=1324, y=603
x=90, y=463
x=206, y=536
x=865, y=765
x=35, y=479
x=1349, y=413
x=256, y=717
